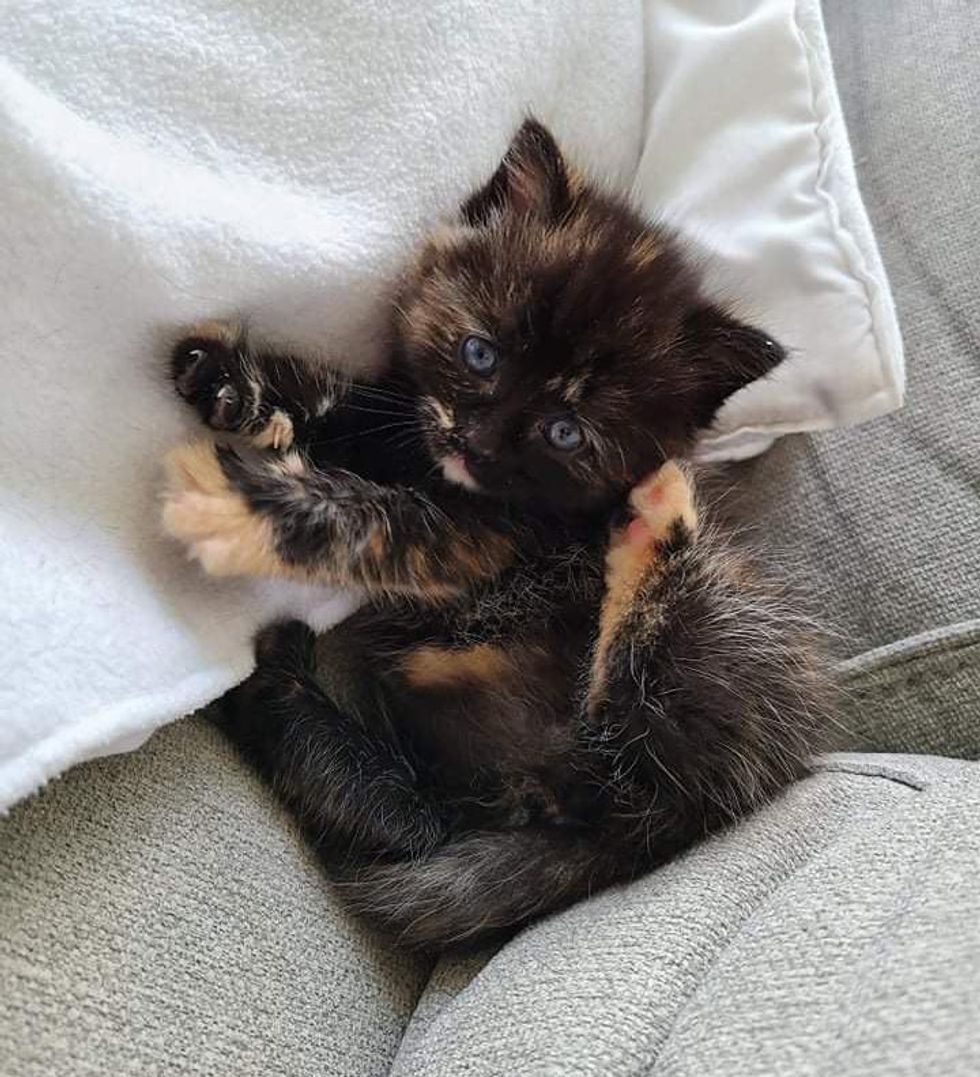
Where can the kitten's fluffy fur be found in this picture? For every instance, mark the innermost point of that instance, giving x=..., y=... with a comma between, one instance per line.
x=556, y=683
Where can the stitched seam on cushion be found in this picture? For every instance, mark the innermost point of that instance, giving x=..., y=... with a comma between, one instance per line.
x=648, y=1069
x=891, y=676
x=850, y=252
x=893, y=776
x=733, y=937
x=935, y=643
x=725, y=945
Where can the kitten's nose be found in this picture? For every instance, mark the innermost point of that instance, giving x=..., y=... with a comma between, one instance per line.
x=480, y=442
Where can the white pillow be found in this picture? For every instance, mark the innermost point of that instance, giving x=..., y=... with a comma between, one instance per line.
x=164, y=162
x=746, y=150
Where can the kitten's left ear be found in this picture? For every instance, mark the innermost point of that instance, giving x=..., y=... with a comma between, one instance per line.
x=729, y=355
x=532, y=179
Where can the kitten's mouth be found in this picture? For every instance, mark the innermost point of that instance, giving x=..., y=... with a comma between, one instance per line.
x=454, y=469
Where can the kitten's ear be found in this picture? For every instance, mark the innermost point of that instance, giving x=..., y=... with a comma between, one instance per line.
x=531, y=180
x=729, y=354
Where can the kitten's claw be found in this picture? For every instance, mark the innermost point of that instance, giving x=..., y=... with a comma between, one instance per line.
x=277, y=434
x=208, y=371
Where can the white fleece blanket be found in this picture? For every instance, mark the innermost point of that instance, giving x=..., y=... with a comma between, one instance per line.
x=164, y=161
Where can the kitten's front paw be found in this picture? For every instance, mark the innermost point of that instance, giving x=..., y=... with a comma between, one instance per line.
x=213, y=520
x=210, y=371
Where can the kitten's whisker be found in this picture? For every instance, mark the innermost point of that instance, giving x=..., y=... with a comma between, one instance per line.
x=385, y=394
x=359, y=433
x=375, y=411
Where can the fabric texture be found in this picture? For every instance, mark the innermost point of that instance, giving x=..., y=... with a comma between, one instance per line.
x=835, y=932
x=159, y=914
x=164, y=163
x=832, y=933
x=918, y=695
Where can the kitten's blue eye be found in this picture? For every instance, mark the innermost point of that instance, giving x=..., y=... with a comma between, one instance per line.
x=564, y=434
x=479, y=355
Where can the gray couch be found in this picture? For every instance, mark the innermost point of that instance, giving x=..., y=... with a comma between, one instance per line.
x=159, y=914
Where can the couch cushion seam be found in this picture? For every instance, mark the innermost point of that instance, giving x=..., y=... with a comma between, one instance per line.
x=648, y=1069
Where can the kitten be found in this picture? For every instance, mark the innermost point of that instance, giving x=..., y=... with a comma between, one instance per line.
x=561, y=677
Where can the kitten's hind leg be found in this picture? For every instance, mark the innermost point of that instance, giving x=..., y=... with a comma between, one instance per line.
x=238, y=389
x=663, y=509
x=707, y=691
x=350, y=785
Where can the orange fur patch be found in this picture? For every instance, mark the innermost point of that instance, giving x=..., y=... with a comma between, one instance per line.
x=645, y=251
x=483, y=557
x=214, y=521
x=659, y=502
x=438, y=667
x=227, y=333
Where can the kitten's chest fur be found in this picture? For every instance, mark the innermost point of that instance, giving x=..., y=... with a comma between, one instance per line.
x=555, y=592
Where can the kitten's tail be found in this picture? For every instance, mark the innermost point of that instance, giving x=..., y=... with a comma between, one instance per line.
x=484, y=884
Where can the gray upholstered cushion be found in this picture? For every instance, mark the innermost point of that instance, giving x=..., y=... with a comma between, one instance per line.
x=834, y=933
x=921, y=694
x=159, y=914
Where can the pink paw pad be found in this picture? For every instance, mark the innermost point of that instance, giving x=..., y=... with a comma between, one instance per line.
x=636, y=532
x=659, y=501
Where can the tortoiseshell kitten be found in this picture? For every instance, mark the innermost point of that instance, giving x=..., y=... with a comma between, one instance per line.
x=561, y=678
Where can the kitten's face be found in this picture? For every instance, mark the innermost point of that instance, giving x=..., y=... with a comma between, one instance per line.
x=559, y=344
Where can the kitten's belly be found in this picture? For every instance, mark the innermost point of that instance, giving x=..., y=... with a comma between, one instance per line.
x=496, y=700
x=488, y=690
x=496, y=719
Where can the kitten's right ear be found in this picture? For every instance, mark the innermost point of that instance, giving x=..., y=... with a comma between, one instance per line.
x=727, y=354
x=531, y=180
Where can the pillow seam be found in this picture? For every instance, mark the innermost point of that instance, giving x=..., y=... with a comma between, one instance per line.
x=820, y=82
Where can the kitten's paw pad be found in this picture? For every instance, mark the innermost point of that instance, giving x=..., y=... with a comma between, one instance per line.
x=213, y=520
x=208, y=372
x=662, y=500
